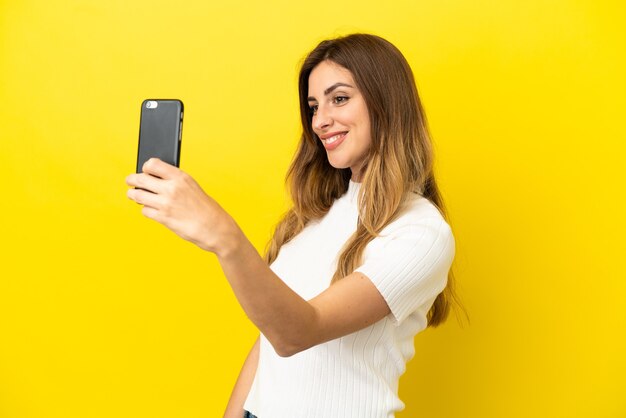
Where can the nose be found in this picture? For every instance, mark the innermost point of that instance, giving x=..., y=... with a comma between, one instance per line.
x=321, y=119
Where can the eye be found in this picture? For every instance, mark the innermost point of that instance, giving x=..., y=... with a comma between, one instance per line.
x=340, y=99
x=313, y=109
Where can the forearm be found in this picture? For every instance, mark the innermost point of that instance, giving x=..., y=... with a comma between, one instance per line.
x=285, y=319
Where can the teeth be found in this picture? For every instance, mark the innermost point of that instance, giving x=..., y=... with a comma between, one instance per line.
x=333, y=138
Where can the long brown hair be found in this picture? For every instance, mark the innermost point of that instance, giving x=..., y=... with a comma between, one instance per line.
x=400, y=160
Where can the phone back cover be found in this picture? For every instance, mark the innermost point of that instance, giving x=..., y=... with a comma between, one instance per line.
x=160, y=132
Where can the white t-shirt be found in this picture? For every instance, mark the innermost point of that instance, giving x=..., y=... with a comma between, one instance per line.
x=356, y=375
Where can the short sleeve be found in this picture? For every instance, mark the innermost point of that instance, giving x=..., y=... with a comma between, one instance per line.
x=409, y=264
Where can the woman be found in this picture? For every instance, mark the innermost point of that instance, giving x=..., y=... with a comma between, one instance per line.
x=357, y=267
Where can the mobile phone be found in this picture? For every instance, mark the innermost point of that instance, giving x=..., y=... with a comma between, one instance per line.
x=160, y=131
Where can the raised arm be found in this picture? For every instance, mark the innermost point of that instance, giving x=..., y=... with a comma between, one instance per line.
x=291, y=324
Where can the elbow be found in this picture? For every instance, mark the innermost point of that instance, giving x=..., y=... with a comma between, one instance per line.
x=285, y=353
x=287, y=349
x=299, y=336
x=287, y=346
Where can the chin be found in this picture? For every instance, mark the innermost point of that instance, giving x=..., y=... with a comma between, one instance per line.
x=338, y=164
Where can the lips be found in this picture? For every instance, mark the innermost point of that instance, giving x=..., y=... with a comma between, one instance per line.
x=333, y=140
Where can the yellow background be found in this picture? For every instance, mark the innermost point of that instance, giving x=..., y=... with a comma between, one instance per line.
x=104, y=313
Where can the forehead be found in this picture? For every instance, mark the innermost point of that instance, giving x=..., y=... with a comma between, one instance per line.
x=327, y=73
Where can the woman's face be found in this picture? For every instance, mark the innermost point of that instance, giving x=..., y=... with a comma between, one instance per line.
x=339, y=117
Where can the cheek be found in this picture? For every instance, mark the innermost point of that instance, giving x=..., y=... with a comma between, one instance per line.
x=364, y=122
x=366, y=132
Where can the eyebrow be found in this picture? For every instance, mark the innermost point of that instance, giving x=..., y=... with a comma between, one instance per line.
x=330, y=90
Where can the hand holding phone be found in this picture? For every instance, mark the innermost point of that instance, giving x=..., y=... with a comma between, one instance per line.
x=173, y=198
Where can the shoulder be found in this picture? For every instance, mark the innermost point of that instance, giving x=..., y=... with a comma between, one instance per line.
x=419, y=234
x=410, y=258
x=418, y=213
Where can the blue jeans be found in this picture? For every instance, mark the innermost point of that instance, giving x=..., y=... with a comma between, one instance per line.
x=247, y=414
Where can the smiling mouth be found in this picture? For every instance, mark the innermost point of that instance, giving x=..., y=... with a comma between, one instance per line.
x=334, y=138
x=335, y=141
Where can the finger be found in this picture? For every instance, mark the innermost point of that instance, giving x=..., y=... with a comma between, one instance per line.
x=145, y=198
x=145, y=181
x=161, y=169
